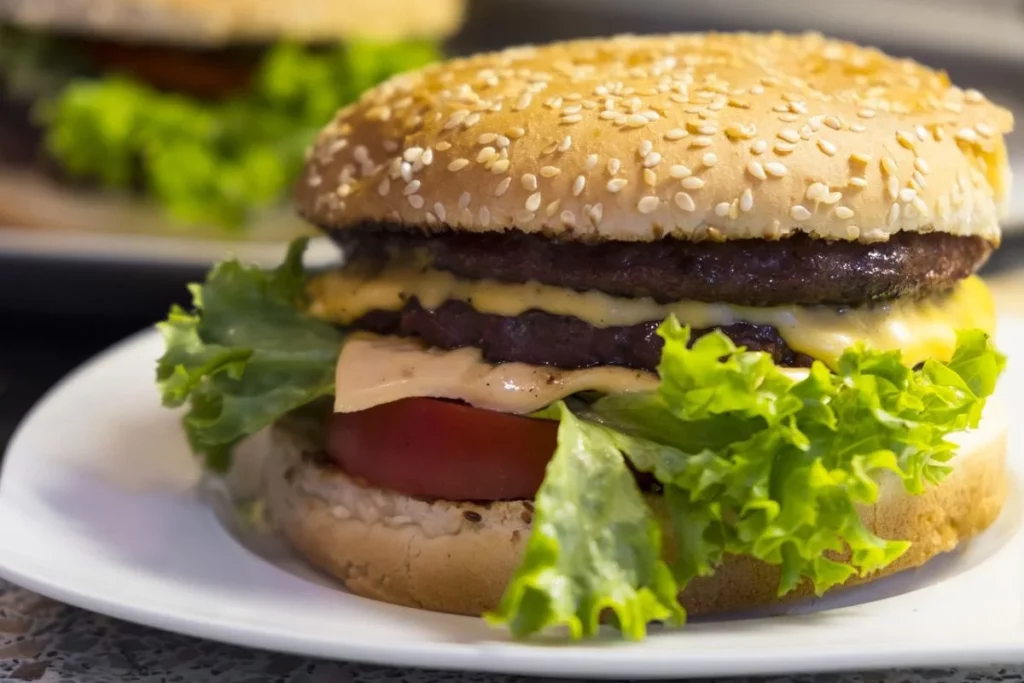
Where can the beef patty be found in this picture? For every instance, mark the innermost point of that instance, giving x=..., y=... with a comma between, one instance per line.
x=540, y=338
x=796, y=270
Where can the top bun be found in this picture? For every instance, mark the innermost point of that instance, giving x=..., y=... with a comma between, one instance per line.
x=218, y=22
x=720, y=136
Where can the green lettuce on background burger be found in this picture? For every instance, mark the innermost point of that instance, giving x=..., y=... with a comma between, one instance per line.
x=508, y=402
x=209, y=129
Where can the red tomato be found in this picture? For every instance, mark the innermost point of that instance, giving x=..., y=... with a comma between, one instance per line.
x=438, y=449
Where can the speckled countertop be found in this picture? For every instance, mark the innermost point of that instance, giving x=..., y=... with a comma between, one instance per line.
x=41, y=640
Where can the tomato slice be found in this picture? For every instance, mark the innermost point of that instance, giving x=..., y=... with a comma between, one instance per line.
x=438, y=449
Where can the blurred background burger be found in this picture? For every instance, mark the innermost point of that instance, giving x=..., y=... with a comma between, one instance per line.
x=185, y=116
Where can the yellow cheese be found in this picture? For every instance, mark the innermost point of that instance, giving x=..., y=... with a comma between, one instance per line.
x=923, y=329
x=375, y=370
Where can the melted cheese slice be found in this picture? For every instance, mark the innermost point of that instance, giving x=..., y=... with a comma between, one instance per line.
x=374, y=370
x=922, y=329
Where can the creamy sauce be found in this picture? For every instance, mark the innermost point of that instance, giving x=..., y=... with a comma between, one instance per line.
x=923, y=329
x=374, y=370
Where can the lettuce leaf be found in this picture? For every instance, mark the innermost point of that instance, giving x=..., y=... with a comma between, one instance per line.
x=595, y=545
x=246, y=356
x=752, y=462
x=217, y=162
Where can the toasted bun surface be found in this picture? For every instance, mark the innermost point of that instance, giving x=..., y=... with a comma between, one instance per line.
x=214, y=22
x=458, y=557
x=691, y=136
x=29, y=200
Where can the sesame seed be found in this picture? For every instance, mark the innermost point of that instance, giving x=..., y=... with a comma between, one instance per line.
x=707, y=129
x=692, y=183
x=550, y=171
x=592, y=160
x=889, y=166
x=833, y=123
x=827, y=147
x=568, y=218
x=502, y=187
x=701, y=141
x=894, y=214
x=920, y=180
x=722, y=209
x=857, y=181
x=893, y=187
x=596, y=212
x=921, y=207
x=416, y=201
x=411, y=188
x=616, y=184
x=443, y=146
x=789, y=135
x=614, y=165
x=679, y=171
x=523, y=102
x=800, y=213
x=922, y=132
x=866, y=113
x=904, y=139
x=485, y=216
x=755, y=169
x=967, y=135
x=464, y=199
x=574, y=118
x=412, y=154
x=984, y=130
x=676, y=134
x=384, y=187
x=685, y=202
x=648, y=204
x=645, y=148
x=533, y=201
x=858, y=127
x=922, y=166
x=487, y=138
x=486, y=155
x=650, y=177
x=788, y=118
x=860, y=158
x=972, y=96
x=516, y=132
x=907, y=195
x=759, y=147
x=652, y=159
x=471, y=120
x=817, y=191
x=529, y=182
x=500, y=166
x=578, y=185
x=710, y=159
x=502, y=141
x=565, y=144
x=775, y=168
x=608, y=115
x=552, y=208
x=832, y=198
x=746, y=200
x=738, y=132
x=636, y=121
x=458, y=164
x=784, y=147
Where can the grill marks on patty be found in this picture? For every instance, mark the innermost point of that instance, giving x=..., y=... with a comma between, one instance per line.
x=540, y=338
x=797, y=270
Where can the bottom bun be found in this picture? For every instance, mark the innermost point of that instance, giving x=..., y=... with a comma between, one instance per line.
x=31, y=200
x=458, y=557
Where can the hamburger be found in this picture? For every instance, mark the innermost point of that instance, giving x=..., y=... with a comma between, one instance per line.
x=185, y=117
x=626, y=329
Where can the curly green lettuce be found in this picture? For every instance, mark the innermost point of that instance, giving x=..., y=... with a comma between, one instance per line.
x=217, y=162
x=752, y=460
x=247, y=355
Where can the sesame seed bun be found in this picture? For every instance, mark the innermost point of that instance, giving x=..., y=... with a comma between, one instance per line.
x=458, y=557
x=215, y=22
x=31, y=200
x=720, y=136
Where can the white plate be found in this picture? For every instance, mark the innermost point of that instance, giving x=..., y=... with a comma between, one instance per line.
x=100, y=507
